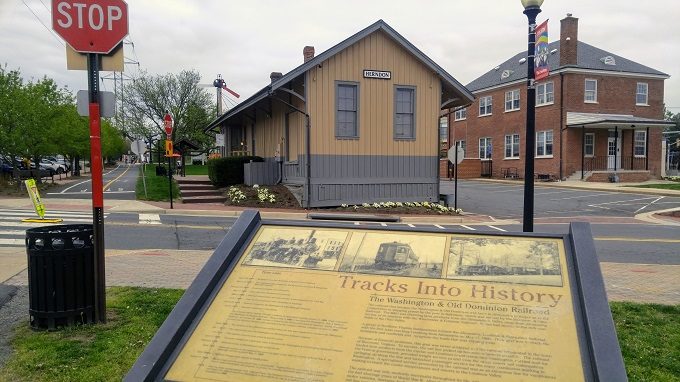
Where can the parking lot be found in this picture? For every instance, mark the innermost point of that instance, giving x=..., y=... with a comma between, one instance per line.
x=506, y=201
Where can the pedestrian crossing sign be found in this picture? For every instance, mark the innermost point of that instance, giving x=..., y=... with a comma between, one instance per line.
x=35, y=197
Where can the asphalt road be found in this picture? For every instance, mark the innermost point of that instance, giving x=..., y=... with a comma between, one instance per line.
x=616, y=242
x=119, y=184
x=506, y=201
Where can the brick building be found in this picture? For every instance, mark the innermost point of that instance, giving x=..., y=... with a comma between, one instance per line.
x=597, y=115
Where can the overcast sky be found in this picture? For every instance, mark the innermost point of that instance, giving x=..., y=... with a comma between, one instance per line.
x=246, y=40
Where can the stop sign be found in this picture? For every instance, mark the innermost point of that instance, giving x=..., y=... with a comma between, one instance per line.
x=168, y=124
x=90, y=26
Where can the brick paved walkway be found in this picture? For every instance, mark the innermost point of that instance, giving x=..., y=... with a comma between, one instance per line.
x=646, y=283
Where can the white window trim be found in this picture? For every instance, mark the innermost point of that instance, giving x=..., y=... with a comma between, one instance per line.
x=512, y=101
x=646, y=94
x=644, y=146
x=455, y=117
x=486, y=139
x=585, y=90
x=485, y=106
x=505, y=144
x=544, y=85
x=544, y=145
x=584, y=146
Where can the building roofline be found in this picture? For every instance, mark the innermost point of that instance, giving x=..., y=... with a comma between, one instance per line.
x=300, y=70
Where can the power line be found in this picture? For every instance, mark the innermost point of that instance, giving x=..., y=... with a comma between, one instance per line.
x=43, y=24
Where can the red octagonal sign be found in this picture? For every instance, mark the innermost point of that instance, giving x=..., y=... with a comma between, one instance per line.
x=90, y=26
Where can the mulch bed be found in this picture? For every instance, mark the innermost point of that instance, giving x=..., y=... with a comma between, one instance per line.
x=286, y=200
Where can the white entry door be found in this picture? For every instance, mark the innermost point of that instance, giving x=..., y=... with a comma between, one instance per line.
x=613, y=153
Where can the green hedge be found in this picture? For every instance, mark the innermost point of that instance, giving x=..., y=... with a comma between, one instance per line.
x=227, y=171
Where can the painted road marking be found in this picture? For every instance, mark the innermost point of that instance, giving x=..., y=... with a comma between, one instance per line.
x=467, y=227
x=85, y=181
x=87, y=192
x=383, y=224
x=438, y=226
x=411, y=225
x=13, y=242
x=118, y=177
x=496, y=228
x=356, y=223
x=149, y=219
x=649, y=204
x=637, y=240
x=584, y=196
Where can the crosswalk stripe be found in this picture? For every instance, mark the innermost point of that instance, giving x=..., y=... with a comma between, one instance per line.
x=67, y=219
x=149, y=219
x=12, y=232
x=51, y=212
x=438, y=226
x=13, y=242
x=467, y=227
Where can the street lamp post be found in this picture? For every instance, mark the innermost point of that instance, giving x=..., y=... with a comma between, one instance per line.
x=531, y=8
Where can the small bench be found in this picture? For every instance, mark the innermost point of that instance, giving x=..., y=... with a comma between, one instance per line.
x=509, y=172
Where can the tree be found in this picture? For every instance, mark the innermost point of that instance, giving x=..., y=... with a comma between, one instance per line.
x=151, y=96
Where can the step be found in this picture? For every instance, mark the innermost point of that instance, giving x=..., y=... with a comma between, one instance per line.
x=192, y=193
x=204, y=199
x=192, y=181
x=195, y=187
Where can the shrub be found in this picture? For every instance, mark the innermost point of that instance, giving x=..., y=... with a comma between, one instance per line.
x=227, y=171
x=196, y=162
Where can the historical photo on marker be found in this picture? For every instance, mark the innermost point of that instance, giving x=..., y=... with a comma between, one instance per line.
x=413, y=255
x=297, y=248
x=511, y=260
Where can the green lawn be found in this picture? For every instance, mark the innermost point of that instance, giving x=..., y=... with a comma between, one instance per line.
x=665, y=186
x=649, y=335
x=197, y=169
x=92, y=352
x=157, y=189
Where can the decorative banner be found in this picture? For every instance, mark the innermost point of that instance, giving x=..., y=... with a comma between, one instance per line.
x=541, y=69
x=35, y=198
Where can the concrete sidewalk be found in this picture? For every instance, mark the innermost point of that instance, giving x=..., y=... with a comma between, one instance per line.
x=646, y=283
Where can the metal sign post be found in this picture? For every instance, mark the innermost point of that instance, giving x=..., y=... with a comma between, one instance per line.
x=455, y=181
x=93, y=28
x=97, y=188
x=169, y=151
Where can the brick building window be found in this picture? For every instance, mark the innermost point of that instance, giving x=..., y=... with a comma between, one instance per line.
x=347, y=110
x=485, y=104
x=545, y=93
x=544, y=143
x=589, y=145
x=640, y=149
x=641, y=93
x=443, y=129
x=590, y=94
x=461, y=144
x=512, y=146
x=512, y=100
x=460, y=115
x=485, y=148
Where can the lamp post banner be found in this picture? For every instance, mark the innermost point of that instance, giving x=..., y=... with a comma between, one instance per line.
x=541, y=69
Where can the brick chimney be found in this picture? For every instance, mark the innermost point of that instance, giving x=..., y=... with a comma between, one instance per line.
x=274, y=76
x=568, y=40
x=308, y=53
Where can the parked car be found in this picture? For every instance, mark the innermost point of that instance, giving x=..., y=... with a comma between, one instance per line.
x=5, y=168
x=53, y=167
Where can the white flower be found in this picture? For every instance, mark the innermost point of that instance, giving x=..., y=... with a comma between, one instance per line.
x=365, y=205
x=343, y=205
x=356, y=207
x=399, y=204
x=459, y=211
x=256, y=186
x=416, y=204
x=376, y=205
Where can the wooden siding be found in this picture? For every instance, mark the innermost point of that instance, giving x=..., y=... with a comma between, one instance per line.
x=269, y=129
x=376, y=100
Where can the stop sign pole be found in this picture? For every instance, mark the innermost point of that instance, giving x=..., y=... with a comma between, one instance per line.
x=93, y=27
x=167, y=122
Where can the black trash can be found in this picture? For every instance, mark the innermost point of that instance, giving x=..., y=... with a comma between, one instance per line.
x=60, y=275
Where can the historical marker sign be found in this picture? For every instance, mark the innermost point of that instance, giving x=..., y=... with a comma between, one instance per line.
x=90, y=26
x=329, y=302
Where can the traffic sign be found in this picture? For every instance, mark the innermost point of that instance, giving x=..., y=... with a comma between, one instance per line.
x=452, y=154
x=90, y=26
x=167, y=121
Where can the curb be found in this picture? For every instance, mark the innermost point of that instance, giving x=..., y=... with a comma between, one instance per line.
x=651, y=217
